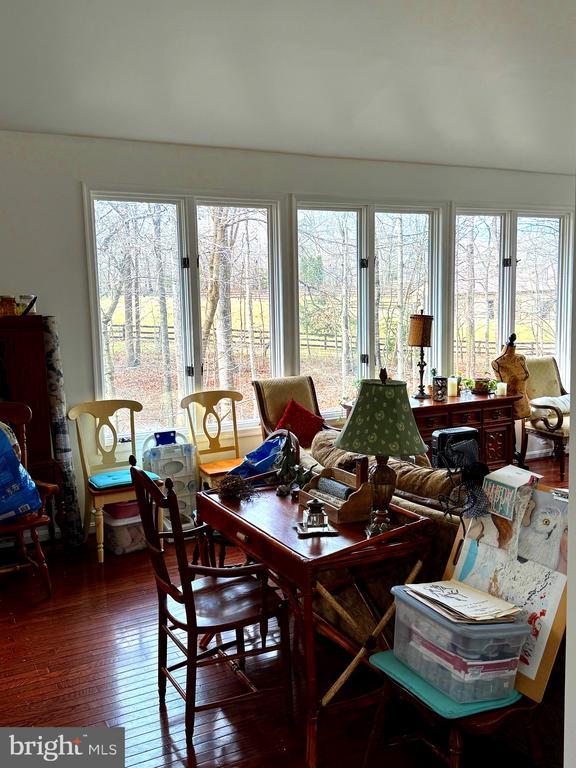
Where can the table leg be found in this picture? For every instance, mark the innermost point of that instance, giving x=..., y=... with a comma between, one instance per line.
x=312, y=706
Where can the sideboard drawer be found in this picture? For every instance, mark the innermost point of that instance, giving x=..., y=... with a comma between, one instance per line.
x=497, y=413
x=428, y=423
x=471, y=418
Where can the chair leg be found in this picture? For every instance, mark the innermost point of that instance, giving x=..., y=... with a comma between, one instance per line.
x=21, y=545
x=381, y=712
x=162, y=647
x=41, y=561
x=191, y=669
x=100, y=533
x=286, y=660
x=455, y=745
x=240, y=647
x=560, y=454
x=221, y=554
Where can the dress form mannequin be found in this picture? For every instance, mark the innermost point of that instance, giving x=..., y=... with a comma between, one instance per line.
x=511, y=368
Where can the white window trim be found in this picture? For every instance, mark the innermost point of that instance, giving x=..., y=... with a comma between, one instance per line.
x=507, y=279
x=190, y=285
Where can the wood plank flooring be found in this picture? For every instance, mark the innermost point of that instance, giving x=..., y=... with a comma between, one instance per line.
x=88, y=657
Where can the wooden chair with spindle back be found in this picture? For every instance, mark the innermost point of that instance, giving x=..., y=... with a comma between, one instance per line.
x=215, y=601
x=17, y=416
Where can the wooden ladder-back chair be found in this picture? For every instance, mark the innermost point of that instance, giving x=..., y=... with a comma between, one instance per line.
x=212, y=402
x=17, y=416
x=106, y=471
x=220, y=600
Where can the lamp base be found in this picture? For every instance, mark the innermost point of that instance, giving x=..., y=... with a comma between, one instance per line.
x=383, y=480
x=421, y=396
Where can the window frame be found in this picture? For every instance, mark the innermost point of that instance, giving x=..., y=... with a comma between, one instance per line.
x=507, y=275
x=191, y=321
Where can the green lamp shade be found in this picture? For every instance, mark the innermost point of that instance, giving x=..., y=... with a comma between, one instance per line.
x=381, y=422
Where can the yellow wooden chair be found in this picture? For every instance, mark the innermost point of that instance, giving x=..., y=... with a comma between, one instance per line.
x=104, y=458
x=215, y=406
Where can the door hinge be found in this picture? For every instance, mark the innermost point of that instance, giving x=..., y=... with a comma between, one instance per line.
x=189, y=370
x=185, y=262
x=363, y=263
x=364, y=358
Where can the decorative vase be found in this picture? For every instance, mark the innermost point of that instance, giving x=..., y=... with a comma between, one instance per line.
x=440, y=389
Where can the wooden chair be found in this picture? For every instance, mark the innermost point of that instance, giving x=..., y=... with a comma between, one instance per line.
x=17, y=416
x=106, y=472
x=212, y=402
x=273, y=395
x=221, y=600
x=441, y=714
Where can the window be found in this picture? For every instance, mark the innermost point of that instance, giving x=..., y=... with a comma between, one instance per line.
x=169, y=325
x=234, y=299
x=537, y=266
x=138, y=260
x=508, y=284
x=402, y=244
x=476, y=292
x=328, y=255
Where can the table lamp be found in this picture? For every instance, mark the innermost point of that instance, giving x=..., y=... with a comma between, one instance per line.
x=420, y=335
x=382, y=424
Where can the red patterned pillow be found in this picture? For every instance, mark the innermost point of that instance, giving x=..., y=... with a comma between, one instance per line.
x=302, y=422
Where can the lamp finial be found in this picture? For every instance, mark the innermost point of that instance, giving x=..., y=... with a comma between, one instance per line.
x=383, y=375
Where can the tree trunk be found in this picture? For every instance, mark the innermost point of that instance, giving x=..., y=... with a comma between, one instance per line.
x=168, y=412
x=470, y=301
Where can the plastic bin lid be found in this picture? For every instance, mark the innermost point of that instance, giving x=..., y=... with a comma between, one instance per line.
x=116, y=521
x=508, y=629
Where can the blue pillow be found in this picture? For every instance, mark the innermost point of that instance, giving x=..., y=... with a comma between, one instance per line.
x=18, y=493
x=115, y=479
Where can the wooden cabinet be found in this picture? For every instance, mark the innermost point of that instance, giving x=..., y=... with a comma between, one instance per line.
x=23, y=379
x=493, y=417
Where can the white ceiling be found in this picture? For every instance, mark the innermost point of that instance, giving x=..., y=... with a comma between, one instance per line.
x=467, y=82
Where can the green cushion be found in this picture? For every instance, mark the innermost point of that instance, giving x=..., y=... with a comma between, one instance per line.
x=433, y=698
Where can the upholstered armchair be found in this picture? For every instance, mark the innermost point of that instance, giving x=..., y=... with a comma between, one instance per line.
x=549, y=405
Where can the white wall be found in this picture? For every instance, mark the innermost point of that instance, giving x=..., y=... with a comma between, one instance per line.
x=42, y=242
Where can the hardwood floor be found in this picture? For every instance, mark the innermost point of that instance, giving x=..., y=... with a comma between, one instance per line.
x=88, y=657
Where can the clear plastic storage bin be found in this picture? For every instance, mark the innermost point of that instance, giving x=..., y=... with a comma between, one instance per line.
x=467, y=662
x=123, y=535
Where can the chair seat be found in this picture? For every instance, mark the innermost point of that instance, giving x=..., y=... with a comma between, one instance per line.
x=24, y=522
x=114, y=479
x=219, y=467
x=225, y=603
x=434, y=699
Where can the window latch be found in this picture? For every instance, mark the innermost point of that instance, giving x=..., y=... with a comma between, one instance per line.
x=189, y=370
x=364, y=358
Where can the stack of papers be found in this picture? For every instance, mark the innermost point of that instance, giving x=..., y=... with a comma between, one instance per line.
x=463, y=604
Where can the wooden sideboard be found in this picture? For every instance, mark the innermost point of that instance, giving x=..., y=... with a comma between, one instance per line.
x=493, y=417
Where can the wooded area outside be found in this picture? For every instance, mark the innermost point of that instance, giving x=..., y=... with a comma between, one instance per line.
x=139, y=279
x=477, y=281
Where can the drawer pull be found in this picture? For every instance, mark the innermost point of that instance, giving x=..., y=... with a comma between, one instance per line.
x=242, y=537
x=464, y=417
x=429, y=422
x=495, y=414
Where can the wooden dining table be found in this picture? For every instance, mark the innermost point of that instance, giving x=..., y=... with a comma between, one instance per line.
x=264, y=528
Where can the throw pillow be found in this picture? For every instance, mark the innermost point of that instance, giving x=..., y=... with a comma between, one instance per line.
x=302, y=422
